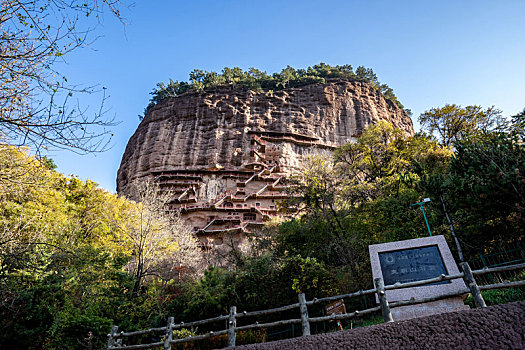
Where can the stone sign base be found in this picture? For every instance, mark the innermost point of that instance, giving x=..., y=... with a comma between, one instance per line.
x=426, y=309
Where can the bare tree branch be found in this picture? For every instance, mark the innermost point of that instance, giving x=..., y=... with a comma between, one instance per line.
x=36, y=101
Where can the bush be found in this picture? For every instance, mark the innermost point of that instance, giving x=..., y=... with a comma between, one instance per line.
x=364, y=321
x=221, y=341
x=499, y=296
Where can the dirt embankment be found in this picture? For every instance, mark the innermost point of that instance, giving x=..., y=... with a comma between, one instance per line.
x=496, y=327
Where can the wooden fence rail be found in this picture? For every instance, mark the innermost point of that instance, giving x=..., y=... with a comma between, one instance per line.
x=342, y=296
x=498, y=269
x=115, y=338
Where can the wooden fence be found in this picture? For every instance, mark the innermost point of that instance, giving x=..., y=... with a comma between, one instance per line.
x=116, y=338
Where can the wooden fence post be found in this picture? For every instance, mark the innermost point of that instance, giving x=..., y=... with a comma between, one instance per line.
x=385, y=308
x=468, y=277
x=232, y=323
x=169, y=333
x=304, y=314
x=111, y=336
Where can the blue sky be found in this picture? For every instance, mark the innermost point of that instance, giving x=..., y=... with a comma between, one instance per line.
x=430, y=52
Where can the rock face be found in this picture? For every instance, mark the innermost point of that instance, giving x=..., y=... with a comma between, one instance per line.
x=220, y=147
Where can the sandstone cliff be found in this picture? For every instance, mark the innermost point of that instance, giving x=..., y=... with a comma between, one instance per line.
x=212, y=130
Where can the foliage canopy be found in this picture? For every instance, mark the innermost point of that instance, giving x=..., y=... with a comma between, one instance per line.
x=75, y=259
x=452, y=123
x=68, y=257
x=254, y=79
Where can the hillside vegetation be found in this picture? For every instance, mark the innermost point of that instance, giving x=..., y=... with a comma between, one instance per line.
x=254, y=79
x=75, y=259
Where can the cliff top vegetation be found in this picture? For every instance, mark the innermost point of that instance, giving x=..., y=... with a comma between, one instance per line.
x=257, y=80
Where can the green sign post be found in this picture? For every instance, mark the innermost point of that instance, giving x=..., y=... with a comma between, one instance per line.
x=426, y=200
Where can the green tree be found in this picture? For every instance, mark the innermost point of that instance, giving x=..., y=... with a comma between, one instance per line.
x=518, y=123
x=287, y=74
x=484, y=186
x=360, y=197
x=366, y=74
x=65, y=252
x=453, y=123
x=255, y=80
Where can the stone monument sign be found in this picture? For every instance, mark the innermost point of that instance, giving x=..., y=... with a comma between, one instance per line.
x=415, y=260
x=409, y=265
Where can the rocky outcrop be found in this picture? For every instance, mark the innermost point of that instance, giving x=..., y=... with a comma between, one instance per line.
x=212, y=129
x=224, y=154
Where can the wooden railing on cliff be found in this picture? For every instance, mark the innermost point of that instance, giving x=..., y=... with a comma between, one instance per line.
x=116, y=338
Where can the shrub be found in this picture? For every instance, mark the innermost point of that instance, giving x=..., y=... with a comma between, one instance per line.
x=499, y=296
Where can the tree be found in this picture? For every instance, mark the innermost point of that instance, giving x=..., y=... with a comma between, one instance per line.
x=61, y=258
x=161, y=241
x=64, y=248
x=453, y=123
x=36, y=101
x=360, y=196
x=518, y=123
x=256, y=80
x=22, y=179
x=366, y=74
x=484, y=185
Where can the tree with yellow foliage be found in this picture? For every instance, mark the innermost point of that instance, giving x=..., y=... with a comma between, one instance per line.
x=70, y=254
